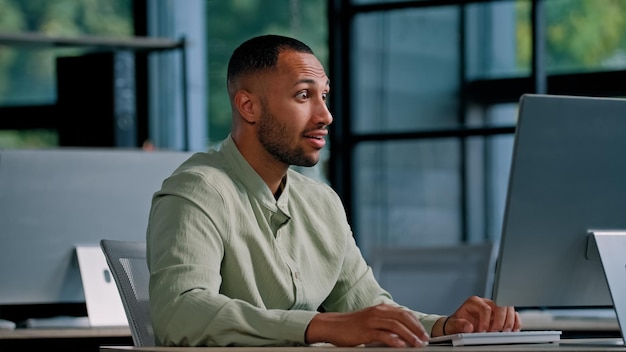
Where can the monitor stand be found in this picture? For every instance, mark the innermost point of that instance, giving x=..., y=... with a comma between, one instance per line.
x=611, y=246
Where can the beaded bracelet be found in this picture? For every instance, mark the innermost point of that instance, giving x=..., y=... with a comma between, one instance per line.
x=444, y=325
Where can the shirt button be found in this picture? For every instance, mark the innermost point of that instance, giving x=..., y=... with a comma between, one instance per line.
x=296, y=275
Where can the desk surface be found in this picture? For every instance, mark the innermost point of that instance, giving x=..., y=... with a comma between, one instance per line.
x=564, y=345
x=41, y=333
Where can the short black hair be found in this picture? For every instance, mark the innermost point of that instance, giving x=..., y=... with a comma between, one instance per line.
x=260, y=53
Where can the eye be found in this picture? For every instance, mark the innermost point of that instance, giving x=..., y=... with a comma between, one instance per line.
x=324, y=96
x=303, y=95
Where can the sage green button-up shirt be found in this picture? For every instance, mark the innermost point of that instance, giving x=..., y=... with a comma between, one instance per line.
x=231, y=265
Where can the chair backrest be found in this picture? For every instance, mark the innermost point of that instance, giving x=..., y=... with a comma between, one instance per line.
x=127, y=262
x=435, y=279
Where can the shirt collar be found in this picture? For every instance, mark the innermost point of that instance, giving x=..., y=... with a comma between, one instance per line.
x=251, y=179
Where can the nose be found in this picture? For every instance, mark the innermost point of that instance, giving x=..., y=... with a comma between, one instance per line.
x=322, y=114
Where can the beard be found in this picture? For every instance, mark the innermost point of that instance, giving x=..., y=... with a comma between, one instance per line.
x=275, y=136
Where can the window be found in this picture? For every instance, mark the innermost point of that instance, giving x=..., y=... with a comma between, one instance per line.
x=27, y=73
x=427, y=117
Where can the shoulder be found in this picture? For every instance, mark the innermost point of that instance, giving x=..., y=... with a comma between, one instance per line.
x=201, y=173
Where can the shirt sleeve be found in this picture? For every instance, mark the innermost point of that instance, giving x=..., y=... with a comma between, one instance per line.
x=185, y=251
x=357, y=288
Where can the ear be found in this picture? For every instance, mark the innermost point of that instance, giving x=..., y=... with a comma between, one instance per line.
x=246, y=104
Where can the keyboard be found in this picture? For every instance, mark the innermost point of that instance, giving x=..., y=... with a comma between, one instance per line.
x=498, y=338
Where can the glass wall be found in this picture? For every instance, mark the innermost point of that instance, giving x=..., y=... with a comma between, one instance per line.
x=405, y=78
x=432, y=101
x=407, y=193
x=211, y=29
x=583, y=35
x=405, y=66
x=27, y=72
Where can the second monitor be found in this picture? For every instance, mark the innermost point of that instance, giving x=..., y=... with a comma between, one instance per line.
x=568, y=177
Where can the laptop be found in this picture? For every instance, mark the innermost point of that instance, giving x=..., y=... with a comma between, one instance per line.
x=104, y=303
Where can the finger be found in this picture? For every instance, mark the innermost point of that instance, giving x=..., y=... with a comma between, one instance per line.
x=394, y=334
x=511, y=316
x=517, y=326
x=480, y=309
x=386, y=338
x=510, y=322
x=415, y=326
x=393, y=340
x=407, y=322
x=500, y=318
x=409, y=328
x=460, y=326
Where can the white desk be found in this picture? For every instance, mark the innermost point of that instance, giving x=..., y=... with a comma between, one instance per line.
x=530, y=320
x=73, y=333
x=70, y=339
x=565, y=345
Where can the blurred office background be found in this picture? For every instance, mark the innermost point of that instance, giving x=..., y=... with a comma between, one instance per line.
x=424, y=93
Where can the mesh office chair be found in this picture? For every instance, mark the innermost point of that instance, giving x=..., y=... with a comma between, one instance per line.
x=435, y=279
x=127, y=262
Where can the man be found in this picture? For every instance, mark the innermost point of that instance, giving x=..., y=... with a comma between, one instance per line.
x=245, y=251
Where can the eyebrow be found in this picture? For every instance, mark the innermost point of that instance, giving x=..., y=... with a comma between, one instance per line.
x=311, y=81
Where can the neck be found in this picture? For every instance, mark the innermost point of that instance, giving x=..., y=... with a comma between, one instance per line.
x=271, y=170
x=281, y=188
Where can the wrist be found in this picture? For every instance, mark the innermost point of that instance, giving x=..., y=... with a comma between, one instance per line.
x=316, y=331
x=437, y=329
x=444, y=326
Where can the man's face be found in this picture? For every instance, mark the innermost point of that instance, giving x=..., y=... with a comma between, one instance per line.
x=294, y=111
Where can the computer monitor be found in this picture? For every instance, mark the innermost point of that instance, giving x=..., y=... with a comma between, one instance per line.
x=52, y=200
x=568, y=176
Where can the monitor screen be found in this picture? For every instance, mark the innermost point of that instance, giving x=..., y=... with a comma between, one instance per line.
x=568, y=176
x=52, y=200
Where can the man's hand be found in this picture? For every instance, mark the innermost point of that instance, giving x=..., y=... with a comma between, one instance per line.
x=381, y=324
x=478, y=315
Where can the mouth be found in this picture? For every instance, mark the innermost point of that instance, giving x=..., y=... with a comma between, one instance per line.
x=317, y=138
x=318, y=134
